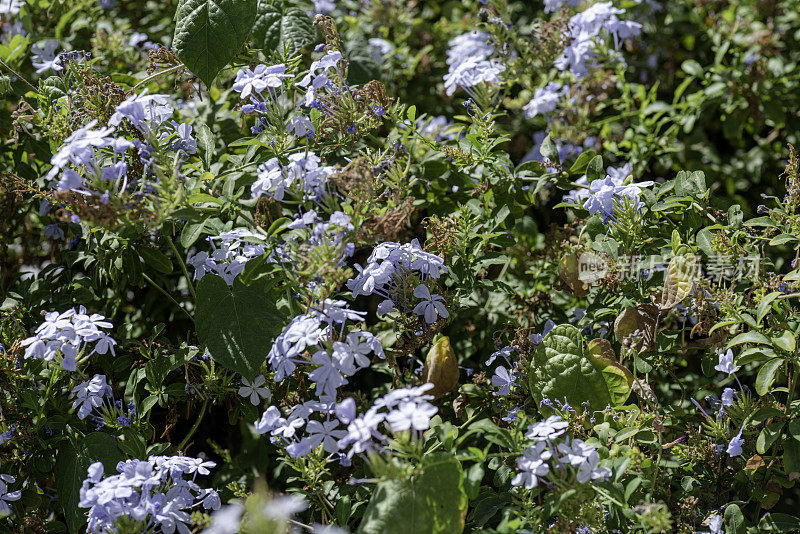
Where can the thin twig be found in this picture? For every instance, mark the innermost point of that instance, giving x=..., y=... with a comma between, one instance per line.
x=17, y=74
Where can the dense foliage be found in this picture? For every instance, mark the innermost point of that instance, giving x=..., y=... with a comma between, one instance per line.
x=393, y=266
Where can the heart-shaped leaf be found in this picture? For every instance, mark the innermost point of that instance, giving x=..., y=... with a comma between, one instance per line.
x=561, y=369
x=208, y=33
x=236, y=324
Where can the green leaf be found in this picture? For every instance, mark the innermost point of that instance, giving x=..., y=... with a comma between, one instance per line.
x=432, y=501
x=791, y=456
x=734, y=520
x=619, y=380
x=362, y=66
x=765, y=305
x=749, y=337
x=579, y=167
x=208, y=33
x=278, y=25
x=191, y=232
x=549, y=150
x=560, y=368
x=690, y=184
x=236, y=324
x=767, y=437
x=766, y=375
x=595, y=170
x=785, y=342
x=156, y=259
x=412, y=114
x=692, y=67
x=778, y=523
x=205, y=144
x=782, y=238
x=70, y=472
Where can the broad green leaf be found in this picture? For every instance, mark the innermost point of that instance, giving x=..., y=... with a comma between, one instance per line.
x=579, y=167
x=362, y=66
x=278, y=25
x=791, y=457
x=679, y=280
x=208, y=33
x=703, y=240
x=549, y=150
x=191, y=232
x=734, y=520
x=690, y=66
x=778, y=523
x=560, y=369
x=619, y=380
x=785, y=341
x=765, y=305
x=595, y=169
x=431, y=501
x=236, y=324
x=70, y=471
x=749, y=337
x=782, y=238
x=766, y=375
x=767, y=437
x=690, y=184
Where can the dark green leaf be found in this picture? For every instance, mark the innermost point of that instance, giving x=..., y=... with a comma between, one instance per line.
x=208, y=33
x=236, y=324
x=278, y=25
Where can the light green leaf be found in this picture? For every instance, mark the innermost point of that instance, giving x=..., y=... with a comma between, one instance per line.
x=432, y=501
x=767, y=437
x=595, y=169
x=208, y=33
x=560, y=369
x=619, y=380
x=205, y=144
x=766, y=375
x=785, y=341
x=236, y=324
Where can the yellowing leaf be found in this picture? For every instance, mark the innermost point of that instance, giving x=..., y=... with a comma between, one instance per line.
x=441, y=368
x=679, y=280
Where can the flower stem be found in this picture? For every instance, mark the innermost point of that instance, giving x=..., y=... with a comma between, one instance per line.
x=194, y=426
x=17, y=74
x=183, y=267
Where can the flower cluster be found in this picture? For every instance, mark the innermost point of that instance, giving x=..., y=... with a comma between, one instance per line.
x=402, y=410
x=584, y=30
x=602, y=197
x=7, y=496
x=230, y=253
x=69, y=333
x=546, y=455
x=317, y=339
x=469, y=64
x=158, y=493
x=96, y=397
x=303, y=177
x=390, y=268
x=252, y=84
x=584, y=34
